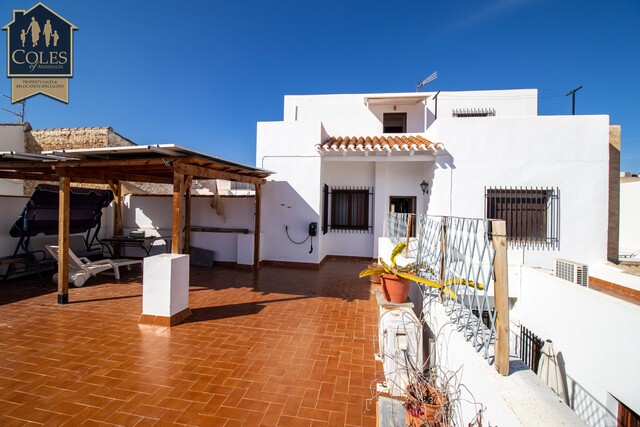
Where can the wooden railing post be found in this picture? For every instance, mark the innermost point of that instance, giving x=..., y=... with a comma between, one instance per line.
x=409, y=222
x=443, y=249
x=501, y=295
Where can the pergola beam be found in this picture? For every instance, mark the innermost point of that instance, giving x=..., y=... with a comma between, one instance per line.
x=206, y=173
x=105, y=176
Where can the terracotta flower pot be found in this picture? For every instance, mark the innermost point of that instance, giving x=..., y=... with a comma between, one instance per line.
x=395, y=289
x=374, y=279
x=420, y=413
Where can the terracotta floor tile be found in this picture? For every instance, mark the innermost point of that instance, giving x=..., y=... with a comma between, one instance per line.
x=277, y=347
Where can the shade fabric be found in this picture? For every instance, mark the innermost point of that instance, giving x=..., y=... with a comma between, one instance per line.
x=40, y=215
x=549, y=370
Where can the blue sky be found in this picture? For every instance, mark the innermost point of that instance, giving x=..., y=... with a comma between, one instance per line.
x=200, y=74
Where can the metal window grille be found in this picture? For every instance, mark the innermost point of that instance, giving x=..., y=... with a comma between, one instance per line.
x=474, y=112
x=531, y=214
x=348, y=209
x=530, y=348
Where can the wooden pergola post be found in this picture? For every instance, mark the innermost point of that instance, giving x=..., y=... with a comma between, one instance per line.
x=63, y=240
x=178, y=203
x=501, y=294
x=256, y=228
x=187, y=216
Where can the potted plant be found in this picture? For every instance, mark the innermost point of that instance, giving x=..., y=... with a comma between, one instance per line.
x=426, y=405
x=396, y=279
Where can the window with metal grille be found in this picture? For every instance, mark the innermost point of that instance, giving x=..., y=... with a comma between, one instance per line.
x=531, y=214
x=348, y=209
x=474, y=112
x=394, y=122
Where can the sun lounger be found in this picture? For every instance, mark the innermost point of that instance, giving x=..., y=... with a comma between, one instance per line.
x=81, y=269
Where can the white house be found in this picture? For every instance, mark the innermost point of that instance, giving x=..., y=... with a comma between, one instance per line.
x=345, y=161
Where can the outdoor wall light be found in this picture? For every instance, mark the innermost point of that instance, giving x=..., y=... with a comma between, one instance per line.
x=425, y=187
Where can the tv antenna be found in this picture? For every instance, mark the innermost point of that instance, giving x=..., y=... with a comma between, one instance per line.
x=429, y=79
x=19, y=113
x=573, y=99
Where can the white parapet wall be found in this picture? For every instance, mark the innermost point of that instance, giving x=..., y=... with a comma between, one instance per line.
x=595, y=335
x=153, y=214
x=519, y=399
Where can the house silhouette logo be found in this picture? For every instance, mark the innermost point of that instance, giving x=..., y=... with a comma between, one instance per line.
x=39, y=53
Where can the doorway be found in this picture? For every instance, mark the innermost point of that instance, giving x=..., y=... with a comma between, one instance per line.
x=404, y=205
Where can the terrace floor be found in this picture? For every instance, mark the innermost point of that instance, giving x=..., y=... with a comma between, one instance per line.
x=277, y=347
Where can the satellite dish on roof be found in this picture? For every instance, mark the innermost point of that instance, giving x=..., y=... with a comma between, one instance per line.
x=431, y=78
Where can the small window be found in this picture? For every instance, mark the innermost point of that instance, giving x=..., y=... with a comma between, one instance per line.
x=394, y=122
x=474, y=112
x=531, y=215
x=349, y=209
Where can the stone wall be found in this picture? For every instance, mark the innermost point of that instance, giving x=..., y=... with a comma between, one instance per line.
x=39, y=140
x=613, y=232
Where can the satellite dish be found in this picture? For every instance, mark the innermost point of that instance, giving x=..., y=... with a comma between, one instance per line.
x=431, y=78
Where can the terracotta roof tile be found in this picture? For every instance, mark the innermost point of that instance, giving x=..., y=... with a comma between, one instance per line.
x=379, y=143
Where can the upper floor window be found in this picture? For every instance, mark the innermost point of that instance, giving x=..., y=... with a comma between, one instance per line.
x=531, y=214
x=394, y=122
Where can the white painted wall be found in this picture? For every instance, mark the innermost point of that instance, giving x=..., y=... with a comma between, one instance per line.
x=349, y=115
x=349, y=174
x=293, y=194
x=12, y=139
x=630, y=216
x=595, y=334
x=506, y=103
x=154, y=215
x=568, y=152
x=519, y=399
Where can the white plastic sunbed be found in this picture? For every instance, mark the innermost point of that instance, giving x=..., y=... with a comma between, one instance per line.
x=81, y=269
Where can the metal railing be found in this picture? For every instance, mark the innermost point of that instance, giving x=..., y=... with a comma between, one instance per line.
x=457, y=253
x=530, y=348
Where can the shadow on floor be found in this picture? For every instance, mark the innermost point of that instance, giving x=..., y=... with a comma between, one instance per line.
x=233, y=310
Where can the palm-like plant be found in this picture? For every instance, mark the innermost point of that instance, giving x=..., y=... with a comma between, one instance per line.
x=409, y=271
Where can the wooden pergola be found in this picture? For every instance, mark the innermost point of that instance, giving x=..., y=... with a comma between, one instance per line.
x=161, y=164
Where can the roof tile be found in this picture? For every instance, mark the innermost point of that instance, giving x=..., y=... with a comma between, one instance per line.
x=379, y=143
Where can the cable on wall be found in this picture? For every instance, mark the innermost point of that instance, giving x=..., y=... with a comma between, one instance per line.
x=286, y=230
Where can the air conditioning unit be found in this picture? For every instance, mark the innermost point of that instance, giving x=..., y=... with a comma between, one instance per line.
x=400, y=341
x=572, y=271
